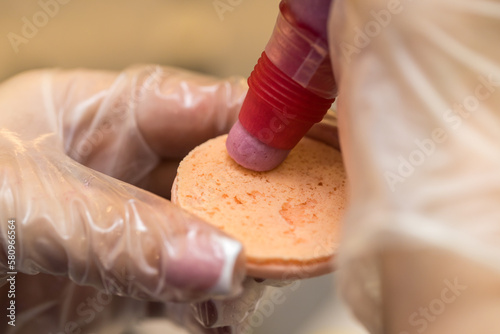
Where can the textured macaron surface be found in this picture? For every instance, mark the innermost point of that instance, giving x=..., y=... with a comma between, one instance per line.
x=290, y=214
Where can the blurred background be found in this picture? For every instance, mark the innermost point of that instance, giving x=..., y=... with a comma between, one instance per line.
x=218, y=37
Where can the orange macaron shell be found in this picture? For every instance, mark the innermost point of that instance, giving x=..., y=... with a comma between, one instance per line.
x=288, y=219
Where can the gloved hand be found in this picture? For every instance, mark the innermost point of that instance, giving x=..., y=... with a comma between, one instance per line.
x=92, y=249
x=419, y=128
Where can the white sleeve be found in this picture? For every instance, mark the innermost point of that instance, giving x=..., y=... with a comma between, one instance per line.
x=419, y=122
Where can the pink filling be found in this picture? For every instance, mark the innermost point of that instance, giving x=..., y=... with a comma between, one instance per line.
x=250, y=152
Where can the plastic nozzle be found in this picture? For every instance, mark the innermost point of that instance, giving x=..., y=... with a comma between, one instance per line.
x=251, y=153
x=277, y=110
x=291, y=88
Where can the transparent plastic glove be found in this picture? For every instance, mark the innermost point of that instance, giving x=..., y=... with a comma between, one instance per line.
x=419, y=125
x=80, y=234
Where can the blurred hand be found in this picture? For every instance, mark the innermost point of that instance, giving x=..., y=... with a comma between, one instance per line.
x=419, y=126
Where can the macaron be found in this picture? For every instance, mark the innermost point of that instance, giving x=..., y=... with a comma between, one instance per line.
x=288, y=219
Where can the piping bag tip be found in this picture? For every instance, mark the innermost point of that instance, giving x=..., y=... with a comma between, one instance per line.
x=250, y=152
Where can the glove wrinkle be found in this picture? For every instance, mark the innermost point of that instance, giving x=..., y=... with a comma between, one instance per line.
x=69, y=141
